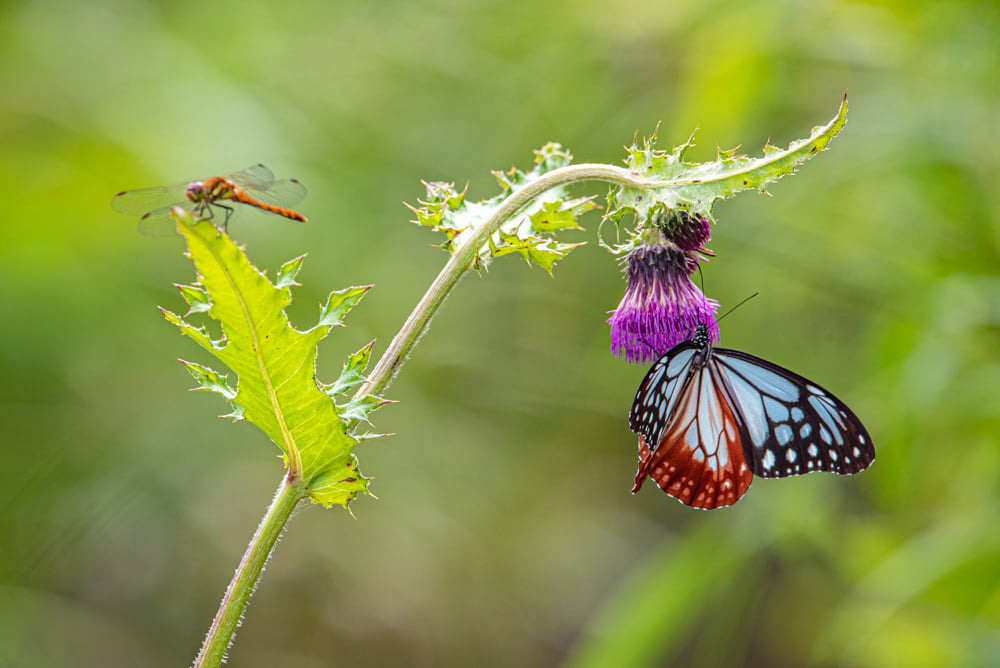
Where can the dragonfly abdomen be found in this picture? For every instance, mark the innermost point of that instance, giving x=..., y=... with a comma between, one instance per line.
x=240, y=196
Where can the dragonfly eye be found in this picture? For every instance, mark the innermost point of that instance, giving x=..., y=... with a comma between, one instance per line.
x=195, y=191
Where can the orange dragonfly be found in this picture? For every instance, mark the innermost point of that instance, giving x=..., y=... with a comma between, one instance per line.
x=254, y=186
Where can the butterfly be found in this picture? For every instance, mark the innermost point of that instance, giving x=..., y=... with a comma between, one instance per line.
x=709, y=419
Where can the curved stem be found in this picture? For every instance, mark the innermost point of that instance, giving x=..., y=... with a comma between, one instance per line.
x=223, y=628
x=464, y=257
x=220, y=635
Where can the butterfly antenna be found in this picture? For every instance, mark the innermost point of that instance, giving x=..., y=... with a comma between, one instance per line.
x=737, y=306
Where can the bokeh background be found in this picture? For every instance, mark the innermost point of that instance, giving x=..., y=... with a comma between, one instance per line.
x=503, y=533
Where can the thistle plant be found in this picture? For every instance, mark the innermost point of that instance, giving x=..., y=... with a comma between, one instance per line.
x=659, y=206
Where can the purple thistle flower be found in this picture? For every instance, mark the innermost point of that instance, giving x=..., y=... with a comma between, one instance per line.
x=661, y=306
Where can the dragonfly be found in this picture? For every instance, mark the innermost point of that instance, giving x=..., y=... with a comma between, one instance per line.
x=254, y=186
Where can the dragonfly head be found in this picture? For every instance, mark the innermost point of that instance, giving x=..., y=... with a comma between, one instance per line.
x=195, y=191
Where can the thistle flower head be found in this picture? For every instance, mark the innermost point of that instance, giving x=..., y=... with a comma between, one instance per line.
x=661, y=306
x=688, y=230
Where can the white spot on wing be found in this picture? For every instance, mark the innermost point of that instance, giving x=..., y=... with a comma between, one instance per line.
x=768, y=460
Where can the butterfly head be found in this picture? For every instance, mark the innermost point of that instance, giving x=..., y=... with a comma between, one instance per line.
x=701, y=340
x=701, y=337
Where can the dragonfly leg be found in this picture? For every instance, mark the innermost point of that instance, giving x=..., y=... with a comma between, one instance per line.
x=203, y=210
x=228, y=214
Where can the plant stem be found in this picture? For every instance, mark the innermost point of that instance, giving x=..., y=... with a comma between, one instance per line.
x=223, y=628
x=464, y=257
x=220, y=635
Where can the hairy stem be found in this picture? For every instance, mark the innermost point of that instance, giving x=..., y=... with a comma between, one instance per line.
x=464, y=258
x=220, y=635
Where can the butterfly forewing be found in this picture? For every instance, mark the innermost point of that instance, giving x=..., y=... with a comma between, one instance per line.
x=794, y=425
x=659, y=390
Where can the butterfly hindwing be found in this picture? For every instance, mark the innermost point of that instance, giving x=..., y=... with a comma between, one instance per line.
x=698, y=455
x=794, y=425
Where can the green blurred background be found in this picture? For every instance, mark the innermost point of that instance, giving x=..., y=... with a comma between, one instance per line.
x=503, y=533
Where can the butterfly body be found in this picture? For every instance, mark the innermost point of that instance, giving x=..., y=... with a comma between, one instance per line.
x=709, y=419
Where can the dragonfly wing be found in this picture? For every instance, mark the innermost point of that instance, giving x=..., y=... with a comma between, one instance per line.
x=285, y=193
x=144, y=200
x=256, y=178
x=158, y=224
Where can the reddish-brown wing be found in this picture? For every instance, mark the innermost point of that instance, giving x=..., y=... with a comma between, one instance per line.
x=699, y=457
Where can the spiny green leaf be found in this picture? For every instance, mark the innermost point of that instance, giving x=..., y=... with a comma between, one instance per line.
x=196, y=298
x=559, y=215
x=275, y=364
x=209, y=379
x=199, y=334
x=697, y=186
x=530, y=233
x=288, y=272
x=352, y=373
x=358, y=409
x=368, y=436
x=340, y=303
x=342, y=481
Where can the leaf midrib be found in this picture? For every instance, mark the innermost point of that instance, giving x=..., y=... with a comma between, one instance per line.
x=294, y=456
